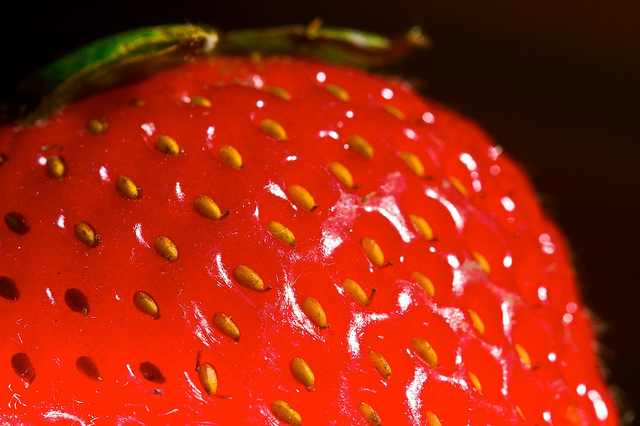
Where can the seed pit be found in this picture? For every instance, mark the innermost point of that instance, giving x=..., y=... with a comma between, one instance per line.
x=16, y=223
x=23, y=368
x=9, y=289
x=76, y=301
x=88, y=367
x=152, y=373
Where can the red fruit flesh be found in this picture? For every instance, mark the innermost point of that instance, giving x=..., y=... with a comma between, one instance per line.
x=512, y=338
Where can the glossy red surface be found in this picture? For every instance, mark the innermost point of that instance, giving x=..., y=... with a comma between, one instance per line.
x=527, y=296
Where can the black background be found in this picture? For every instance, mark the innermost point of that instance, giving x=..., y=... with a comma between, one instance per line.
x=557, y=83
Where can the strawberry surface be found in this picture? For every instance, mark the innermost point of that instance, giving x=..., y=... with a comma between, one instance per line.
x=371, y=258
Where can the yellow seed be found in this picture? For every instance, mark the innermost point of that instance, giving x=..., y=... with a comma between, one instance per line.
x=166, y=248
x=302, y=197
x=425, y=283
x=208, y=378
x=248, y=278
x=282, y=233
x=302, y=372
x=425, y=351
x=56, y=167
x=477, y=321
x=137, y=102
x=231, y=156
x=455, y=182
x=167, y=144
x=273, y=128
x=354, y=290
x=380, y=364
x=279, y=92
x=201, y=101
x=285, y=413
x=97, y=127
x=337, y=91
x=86, y=234
x=474, y=380
x=144, y=302
x=413, y=162
x=127, y=188
x=225, y=325
x=373, y=251
x=395, y=111
x=360, y=145
x=432, y=419
x=482, y=261
x=311, y=307
x=341, y=173
x=205, y=206
x=523, y=354
x=369, y=414
x=422, y=226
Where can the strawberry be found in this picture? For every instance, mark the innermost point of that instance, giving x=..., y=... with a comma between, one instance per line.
x=278, y=240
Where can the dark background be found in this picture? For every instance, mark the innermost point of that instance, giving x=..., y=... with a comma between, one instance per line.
x=556, y=83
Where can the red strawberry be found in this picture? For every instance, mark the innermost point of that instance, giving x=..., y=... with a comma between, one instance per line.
x=281, y=241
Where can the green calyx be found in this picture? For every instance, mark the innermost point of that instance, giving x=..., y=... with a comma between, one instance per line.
x=136, y=54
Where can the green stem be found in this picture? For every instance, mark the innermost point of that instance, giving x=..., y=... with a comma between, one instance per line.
x=136, y=54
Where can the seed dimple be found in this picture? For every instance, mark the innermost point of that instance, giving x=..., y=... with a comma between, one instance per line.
x=284, y=412
x=360, y=145
x=86, y=234
x=208, y=208
x=127, y=188
x=313, y=310
x=145, y=303
x=166, y=248
x=369, y=414
x=167, y=144
x=16, y=223
x=374, y=252
x=224, y=324
x=231, y=156
x=22, y=366
x=208, y=378
x=337, y=91
x=380, y=364
x=88, y=367
x=8, y=289
x=282, y=233
x=395, y=111
x=152, y=373
x=76, y=301
x=200, y=101
x=341, y=173
x=424, y=282
x=137, y=102
x=354, y=290
x=432, y=419
x=302, y=372
x=482, y=261
x=97, y=126
x=422, y=226
x=523, y=354
x=56, y=167
x=273, y=128
x=474, y=380
x=279, y=92
x=425, y=351
x=3, y=159
x=302, y=197
x=249, y=278
x=413, y=162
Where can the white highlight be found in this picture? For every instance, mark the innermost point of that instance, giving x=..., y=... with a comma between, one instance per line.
x=508, y=204
x=428, y=118
x=50, y=296
x=321, y=77
x=468, y=161
x=413, y=394
x=148, y=128
x=455, y=214
x=104, y=174
x=60, y=415
x=358, y=323
x=179, y=192
x=137, y=229
x=387, y=93
x=276, y=190
x=60, y=221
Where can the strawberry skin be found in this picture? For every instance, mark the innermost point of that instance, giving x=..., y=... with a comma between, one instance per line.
x=123, y=303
